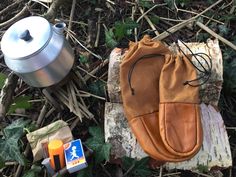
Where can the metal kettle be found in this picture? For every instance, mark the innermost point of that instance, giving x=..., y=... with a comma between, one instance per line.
x=37, y=51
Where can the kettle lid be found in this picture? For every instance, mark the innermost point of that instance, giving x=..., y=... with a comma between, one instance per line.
x=26, y=37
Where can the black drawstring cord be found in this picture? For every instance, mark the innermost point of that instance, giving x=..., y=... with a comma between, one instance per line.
x=133, y=65
x=206, y=72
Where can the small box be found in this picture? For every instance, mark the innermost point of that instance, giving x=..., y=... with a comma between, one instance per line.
x=74, y=156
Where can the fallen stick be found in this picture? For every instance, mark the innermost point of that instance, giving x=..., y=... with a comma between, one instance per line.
x=7, y=92
x=10, y=21
x=184, y=23
x=204, y=27
x=13, y=5
x=71, y=17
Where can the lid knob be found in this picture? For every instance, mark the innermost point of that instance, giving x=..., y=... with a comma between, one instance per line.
x=25, y=35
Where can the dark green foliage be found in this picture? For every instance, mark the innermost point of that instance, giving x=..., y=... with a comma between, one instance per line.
x=20, y=102
x=9, y=143
x=136, y=168
x=98, y=145
x=33, y=172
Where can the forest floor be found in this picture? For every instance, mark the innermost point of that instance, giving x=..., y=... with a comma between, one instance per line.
x=94, y=28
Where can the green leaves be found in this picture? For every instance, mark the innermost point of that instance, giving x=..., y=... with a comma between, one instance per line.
x=98, y=145
x=20, y=102
x=33, y=172
x=86, y=172
x=2, y=79
x=137, y=168
x=123, y=29
x=120, y=30
x=110, y=38
x=9, y=144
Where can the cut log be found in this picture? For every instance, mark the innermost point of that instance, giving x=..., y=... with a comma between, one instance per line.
x=215, y=150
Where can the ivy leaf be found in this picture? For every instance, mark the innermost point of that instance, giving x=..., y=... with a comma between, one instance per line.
x=20, y=102
x=98, y=145
x=110, y=38
x=86, y=172
x=2, y=79
x=122, y=29
x=202, y=168
x=15, y=129
x=139, y=168
x=127, y=162
x=2, y=163
x=33, y=172
x=97, y=88
x=104, y=153
x=83, y=59
x=223, y=29
x=145, y=3
x=9, y=144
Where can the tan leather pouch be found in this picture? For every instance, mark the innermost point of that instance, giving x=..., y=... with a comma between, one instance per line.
x=140, y=83
x=179, y=112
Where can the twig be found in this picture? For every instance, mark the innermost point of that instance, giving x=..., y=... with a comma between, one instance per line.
x=92, y=53
x=161, y=170
x=11, y=6
x=98, y=29
x=95, y=96
x=184, y=23
x=89, y=74
x=94, y=71
x=217, y=21
x=7, y=93
x=51, y=13
x=230, y=44
x=71, y=17
x=149, y=10
x=202, y=174
x=20, y=167
x=10, y=21
x=44, y=5
x=149, y=22
x=134, y=8
x=42, y=114
x=171, y=174
x=105, y=170
x=129, y=170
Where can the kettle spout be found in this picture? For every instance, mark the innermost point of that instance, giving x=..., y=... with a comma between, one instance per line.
x=59, y=27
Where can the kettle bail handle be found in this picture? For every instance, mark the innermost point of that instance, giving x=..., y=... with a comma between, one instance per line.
x=25, y=35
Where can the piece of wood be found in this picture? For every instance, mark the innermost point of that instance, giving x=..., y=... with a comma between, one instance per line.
x=215, y=150
x=7, y=92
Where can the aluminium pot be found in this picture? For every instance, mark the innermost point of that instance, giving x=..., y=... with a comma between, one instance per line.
x=37, y=51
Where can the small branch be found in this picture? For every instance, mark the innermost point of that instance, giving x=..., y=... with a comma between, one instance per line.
x=129, y=170
x=12, y=20
x=92, y=53
x=11, y=6
x=149, y=22
x=7, y=93
x=71, y=17
x=184, y=23
x=230, y=44
x=51, y=13
x=98, y=30
x=210, y=18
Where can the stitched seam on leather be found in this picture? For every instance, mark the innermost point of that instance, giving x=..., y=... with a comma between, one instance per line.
x=144, y=114
x=162, y=156
x=189, y=153
x=178, y=102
